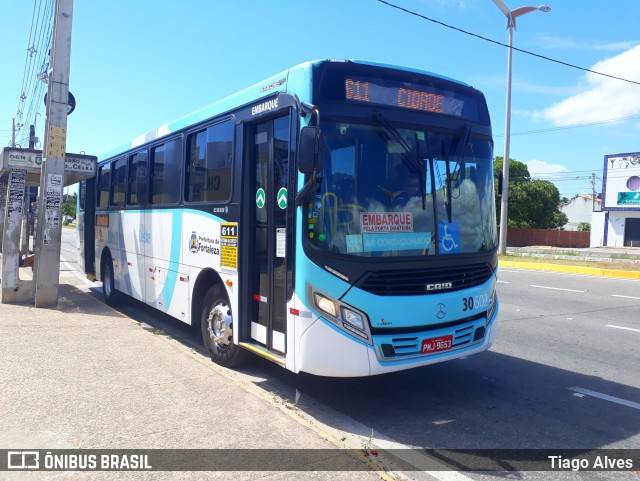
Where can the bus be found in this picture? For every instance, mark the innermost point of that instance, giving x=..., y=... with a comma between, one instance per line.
x=337, y=218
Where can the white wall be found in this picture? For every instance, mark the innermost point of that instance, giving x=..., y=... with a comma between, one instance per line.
x=615, y=234
x=597, y=229
x=577, y=210
x=622, y=172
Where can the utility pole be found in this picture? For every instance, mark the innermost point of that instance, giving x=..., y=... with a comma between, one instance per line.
x=13, y=134
x=31, y=193
x=32, y=136
x=49, y=230
x=593, y=191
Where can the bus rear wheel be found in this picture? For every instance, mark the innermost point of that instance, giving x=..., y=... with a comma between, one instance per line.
x=216, y=325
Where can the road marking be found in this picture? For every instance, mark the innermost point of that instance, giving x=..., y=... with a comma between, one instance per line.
x=448, y=476
x=557, y=288
x=570, y=274
x=625, y=328
x=625, y=297
x=503, y=282
x=606, y=397
x=78, y=274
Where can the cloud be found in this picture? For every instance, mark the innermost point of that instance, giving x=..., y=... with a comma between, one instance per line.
x=614, y=46
x=557, y=42
x=604, y=98
x=540, y=167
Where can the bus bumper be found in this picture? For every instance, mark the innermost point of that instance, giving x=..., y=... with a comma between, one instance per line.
x=329, y=351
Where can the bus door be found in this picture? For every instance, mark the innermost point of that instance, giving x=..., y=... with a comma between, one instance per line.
x=86, y=225
x=270, y=151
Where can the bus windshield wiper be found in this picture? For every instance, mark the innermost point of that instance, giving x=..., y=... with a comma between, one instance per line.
x=414, y=165
x=461, y=146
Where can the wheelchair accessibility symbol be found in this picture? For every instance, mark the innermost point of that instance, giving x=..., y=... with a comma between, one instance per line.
x=449, y=234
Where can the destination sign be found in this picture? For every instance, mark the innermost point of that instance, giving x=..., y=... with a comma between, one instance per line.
x=407, y=96
x=32, y=159
x=77, y=167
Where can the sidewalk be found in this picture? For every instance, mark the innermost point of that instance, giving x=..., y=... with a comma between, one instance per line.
x=83, y=376
x=601, y=254
x=621, y=259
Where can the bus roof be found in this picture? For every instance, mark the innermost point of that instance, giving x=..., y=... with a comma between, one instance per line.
x=296, y=80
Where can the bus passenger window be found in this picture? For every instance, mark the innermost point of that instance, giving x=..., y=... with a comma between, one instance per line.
x=118, y=183
x=209, y=164
x=104, y=182
x=137, y=184
x=165, y=170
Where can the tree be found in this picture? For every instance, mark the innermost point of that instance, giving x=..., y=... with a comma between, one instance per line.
x=532, y=203
x=69, y=205
x=518, y=172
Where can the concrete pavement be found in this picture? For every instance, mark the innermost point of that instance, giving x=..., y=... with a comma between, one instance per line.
x=84, y=376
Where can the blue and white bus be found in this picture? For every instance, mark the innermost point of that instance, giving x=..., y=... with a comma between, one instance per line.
x=337, y=218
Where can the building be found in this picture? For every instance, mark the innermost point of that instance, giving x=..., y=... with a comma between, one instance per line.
x=579, y=210
x=618, y=225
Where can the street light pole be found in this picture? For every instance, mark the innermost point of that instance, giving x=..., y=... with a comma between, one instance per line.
x=511, y=26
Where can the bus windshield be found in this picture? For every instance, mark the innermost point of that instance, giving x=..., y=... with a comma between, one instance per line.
x=396, y=191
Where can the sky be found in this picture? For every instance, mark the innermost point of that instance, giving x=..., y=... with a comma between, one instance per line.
x=136, y=65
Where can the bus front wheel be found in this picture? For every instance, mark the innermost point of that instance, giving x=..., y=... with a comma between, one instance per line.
x=216, y=325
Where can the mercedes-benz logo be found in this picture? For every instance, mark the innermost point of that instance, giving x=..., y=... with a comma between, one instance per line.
x=441, y=311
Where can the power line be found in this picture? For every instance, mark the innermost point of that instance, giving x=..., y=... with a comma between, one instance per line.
x=566, y=64
x=572, y=126
x=35, y=69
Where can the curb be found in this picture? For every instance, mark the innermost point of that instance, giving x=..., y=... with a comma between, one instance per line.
x=592, y=271
x=361, y=454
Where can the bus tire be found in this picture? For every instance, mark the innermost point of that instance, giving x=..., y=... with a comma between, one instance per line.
x=111, y=296
x=216, y=326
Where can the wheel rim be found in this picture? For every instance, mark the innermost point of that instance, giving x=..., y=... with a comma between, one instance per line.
x=219, y=325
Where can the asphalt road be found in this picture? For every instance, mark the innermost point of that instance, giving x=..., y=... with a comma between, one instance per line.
x=563, y=373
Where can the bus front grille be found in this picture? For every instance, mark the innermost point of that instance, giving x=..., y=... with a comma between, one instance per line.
x=415, y=282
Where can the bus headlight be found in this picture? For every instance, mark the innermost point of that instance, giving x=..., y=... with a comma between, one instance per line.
x=325, y=304
x=353, y=318
x=343, y=316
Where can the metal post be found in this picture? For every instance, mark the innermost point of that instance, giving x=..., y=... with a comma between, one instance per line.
x=502, y=246
x=511, y=26
x=32, y=192
x=47, y=261
x=593, y=192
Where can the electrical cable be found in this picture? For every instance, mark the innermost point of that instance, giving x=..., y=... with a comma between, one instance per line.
x=572, y=126
x=505, y=45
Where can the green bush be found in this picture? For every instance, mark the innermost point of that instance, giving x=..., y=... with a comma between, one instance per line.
x=584, y=227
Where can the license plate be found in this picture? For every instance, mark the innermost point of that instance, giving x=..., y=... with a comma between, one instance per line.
x=437, y=344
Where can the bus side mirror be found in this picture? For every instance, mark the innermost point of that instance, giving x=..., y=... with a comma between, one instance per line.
x=310, y=149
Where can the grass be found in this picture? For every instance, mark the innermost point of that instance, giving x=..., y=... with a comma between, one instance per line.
x=623, y=266
x=622, y=256
x=550, y=252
